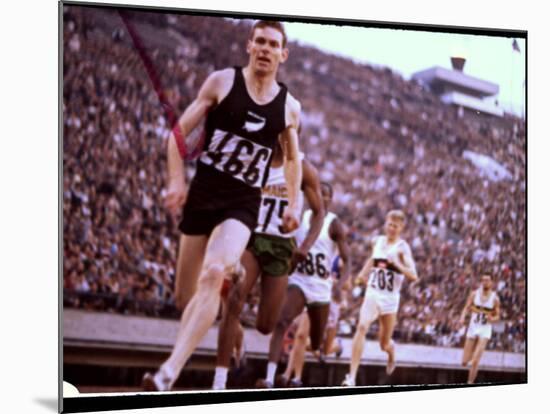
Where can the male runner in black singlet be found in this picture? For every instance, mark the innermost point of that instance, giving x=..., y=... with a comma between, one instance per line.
x=248, y=113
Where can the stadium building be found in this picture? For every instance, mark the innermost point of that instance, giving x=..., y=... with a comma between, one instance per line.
x=454, y=87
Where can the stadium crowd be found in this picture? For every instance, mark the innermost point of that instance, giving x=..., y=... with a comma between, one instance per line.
x=382, y=141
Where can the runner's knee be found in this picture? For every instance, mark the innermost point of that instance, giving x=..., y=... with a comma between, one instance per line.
x=283, y=323
x=362, y=329
x=301, y=337
x=266, y=322
x=265, y=326
x=213, y=276
x=385, y=346
x=476, y=358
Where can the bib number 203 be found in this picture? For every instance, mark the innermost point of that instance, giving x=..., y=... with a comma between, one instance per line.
x=382, y=279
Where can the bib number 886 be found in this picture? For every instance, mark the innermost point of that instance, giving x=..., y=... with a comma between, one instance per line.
x=313, y=265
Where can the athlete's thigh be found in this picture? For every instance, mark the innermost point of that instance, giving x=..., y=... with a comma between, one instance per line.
x=469, y=346
x=369, y=310
x=318, y=316
x=189, y=263
x=293, y=304
x=252, y=270
x=227, y=243
x=387, y=324
x=480, y=348
x=273, y=293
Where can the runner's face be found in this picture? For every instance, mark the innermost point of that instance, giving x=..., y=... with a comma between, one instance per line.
x=266, y=50
x=486, y=282
x=393, y=228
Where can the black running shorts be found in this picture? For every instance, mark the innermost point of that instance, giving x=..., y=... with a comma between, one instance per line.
x=197, y=222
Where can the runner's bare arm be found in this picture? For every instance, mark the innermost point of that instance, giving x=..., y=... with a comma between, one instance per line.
x=292, y=165
x=467, y=307
x=206, y=98
x=364, y=273
x=496, y=313
x=338, y=234
x=406, y=265
x=311, y=186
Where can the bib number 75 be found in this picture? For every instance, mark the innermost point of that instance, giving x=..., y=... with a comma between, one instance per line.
x=271, y=203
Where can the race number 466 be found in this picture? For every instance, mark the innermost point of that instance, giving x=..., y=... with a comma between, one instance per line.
x=237, y=156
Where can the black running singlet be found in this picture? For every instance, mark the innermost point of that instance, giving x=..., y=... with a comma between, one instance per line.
x=240, y=137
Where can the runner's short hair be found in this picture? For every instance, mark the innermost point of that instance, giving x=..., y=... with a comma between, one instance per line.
x=260, y=24
x=397, y=215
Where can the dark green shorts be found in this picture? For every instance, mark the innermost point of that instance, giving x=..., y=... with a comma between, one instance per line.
x=273, y=253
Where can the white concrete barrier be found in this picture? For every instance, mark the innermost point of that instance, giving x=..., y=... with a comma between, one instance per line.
x=106, y=328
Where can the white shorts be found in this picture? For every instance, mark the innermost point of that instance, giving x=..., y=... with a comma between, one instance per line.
x=334, y=315
x=477, y=330
x=317, y=291
x=376, y=304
